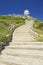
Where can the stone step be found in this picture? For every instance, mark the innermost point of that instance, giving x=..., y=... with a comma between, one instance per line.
x=33, y=47
x=2, y=63
x=25, y=43
x=8, y=63
x=22, y=52
x=13, y=60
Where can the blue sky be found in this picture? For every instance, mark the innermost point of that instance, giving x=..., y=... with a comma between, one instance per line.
x=18, y=6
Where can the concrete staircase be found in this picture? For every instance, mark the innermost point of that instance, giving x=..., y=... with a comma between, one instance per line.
x=25, y=54
x=22, y=50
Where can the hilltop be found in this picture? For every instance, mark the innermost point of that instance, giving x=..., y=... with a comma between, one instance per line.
x=8, y=22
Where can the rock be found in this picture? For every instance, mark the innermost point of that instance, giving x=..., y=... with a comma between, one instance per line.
x=1, y=46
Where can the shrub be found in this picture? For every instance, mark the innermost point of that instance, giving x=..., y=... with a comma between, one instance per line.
x=3, y=38
x=38, y=26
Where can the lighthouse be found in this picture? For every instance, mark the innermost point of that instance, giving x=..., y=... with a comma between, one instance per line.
x=26, y=12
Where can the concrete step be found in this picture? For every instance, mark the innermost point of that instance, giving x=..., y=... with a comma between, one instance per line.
x=2, y=63
x=25, y=43
x=8, y=63
x=13, y=60
x=22, y=52
x=31, y=47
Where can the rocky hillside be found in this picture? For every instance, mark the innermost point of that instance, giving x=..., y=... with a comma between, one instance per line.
x=8, y=23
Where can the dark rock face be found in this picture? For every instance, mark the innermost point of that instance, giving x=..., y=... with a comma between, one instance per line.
x=2, y=46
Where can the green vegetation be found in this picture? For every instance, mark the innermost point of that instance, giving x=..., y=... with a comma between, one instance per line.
x=39, y=39
x=38, y=26
x=6, y=22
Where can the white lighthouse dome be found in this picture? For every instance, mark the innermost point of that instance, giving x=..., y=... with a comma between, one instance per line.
x=26, y=12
